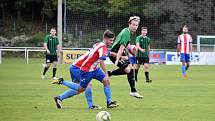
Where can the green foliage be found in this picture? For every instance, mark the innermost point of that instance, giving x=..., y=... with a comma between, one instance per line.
x=126, y=7
x=38, y=38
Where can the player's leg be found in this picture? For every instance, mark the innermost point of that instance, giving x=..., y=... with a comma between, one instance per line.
x=183, y=68
x=117, y=71
x=54, y=69
x=187, y=59
x=124, y=65
x=75, y=79
x=100, y=76
x=131, y=80
x=54, y=66
x=75, y=89
x=137, y=66
x=146, y=68
x=46, y=66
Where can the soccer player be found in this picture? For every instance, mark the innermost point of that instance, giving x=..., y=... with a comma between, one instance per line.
x=90, y=70
x=184, y=49
x=119, y=54
x=75, y=76
x=142, y=57
x=51, y=44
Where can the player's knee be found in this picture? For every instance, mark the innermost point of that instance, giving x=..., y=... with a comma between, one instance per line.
x=48, y=65
x=89, y=85
x=127, y=69
x=80, y=90
x=106, y=82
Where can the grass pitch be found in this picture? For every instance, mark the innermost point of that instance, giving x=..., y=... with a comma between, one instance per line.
x=25, y=97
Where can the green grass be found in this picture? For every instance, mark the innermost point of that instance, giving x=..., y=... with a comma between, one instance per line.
x=25, y=97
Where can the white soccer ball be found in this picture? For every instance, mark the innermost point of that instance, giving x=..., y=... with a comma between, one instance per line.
x=103, y=116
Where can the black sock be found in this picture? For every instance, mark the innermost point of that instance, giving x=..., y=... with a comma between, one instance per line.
x=131, y=80
x=187, y=67
x=136, y=73
x=45, y=70
x=54, y=72
x=147, y=75
x=118, y=72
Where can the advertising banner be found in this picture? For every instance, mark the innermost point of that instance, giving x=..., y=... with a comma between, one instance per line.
x=172, y=58
x=157, y=57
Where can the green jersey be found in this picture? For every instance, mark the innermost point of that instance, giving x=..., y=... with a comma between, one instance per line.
x=144, y=43
x=52, y=42
x=123, y=38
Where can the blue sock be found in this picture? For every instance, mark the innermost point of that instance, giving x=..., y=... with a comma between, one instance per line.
x=183, y=68
x=67, y=94
x=107, y=93
x=88, y=95
x=71, y=85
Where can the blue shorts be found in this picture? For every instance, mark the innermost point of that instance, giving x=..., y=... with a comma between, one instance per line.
x=132, y=59
x=185, y=57
x=75, y=73
x=86, y=77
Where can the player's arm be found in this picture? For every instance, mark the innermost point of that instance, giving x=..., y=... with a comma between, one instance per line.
x=139, y=48
x=59, y=48
x=138, y=44
x=45, y=44
x=149, y=47
x=178, y=46
x=191, y=45
x=119, y=54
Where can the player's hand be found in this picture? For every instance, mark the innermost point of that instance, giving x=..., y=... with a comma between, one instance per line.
x=143, y=50
x=178, y=54
x=58, y=55
x=48, y=51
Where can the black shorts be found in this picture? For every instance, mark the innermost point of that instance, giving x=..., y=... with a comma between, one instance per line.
x=51, y=58
x=142, y=60
x=122, y=64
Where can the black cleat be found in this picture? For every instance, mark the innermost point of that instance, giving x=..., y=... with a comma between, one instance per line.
x=95, y=107
x=57, y=102
x=149, y=81
x=112, y=104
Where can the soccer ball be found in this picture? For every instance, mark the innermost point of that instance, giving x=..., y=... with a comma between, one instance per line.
x=132, y=49
x=103, y=116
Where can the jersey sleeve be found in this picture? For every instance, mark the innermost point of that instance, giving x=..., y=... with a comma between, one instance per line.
x=125, y=38
x=179, y=40
x=149, y=41
x=46, y=39
x=57, y=41
x=103, y=52
x=138, y=39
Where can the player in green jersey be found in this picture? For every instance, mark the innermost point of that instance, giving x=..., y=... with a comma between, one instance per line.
x=120, y=57
x=142, y=57
x=51, y=45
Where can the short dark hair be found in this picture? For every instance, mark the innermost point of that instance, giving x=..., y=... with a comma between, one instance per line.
x=144, y=27
x=108, y=34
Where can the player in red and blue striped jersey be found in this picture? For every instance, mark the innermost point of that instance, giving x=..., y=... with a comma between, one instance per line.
x=75, y=76
x=90, y=70
x=184, y=49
